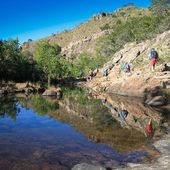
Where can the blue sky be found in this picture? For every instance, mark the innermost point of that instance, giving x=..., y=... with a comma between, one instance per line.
x=39, y=18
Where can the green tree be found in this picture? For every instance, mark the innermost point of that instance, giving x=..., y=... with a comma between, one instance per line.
x=10, y=53
x=48, y=59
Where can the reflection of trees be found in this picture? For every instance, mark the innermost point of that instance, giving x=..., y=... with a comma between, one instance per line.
x=98, y=122
x=43, y=105
x=8, y=107
x=95, y=121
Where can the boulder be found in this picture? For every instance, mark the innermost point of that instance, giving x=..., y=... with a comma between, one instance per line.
x=53, y=92
x=49, y=93
x=85, y=166
x=156, y=101
x=26, y=88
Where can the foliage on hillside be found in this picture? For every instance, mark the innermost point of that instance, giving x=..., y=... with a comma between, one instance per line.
x=134, y=29
x=84, y=63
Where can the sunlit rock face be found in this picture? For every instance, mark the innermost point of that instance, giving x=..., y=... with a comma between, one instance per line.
x=140, y=78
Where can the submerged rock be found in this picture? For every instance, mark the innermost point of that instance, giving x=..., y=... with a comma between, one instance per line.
x=85, y=166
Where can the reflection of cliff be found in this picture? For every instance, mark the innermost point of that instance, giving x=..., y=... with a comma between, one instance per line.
x=101, y=123
x=111, y=133
x=95, y=121
x=138, y=115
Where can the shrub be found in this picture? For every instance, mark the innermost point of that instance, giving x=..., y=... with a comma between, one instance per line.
x=105, y=27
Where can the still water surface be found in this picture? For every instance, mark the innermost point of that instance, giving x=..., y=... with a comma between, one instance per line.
x=49, y=134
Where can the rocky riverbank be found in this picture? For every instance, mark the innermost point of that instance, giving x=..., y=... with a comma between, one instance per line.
x=28, y=88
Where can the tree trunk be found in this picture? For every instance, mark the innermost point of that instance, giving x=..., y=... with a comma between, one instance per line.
x=49, y=81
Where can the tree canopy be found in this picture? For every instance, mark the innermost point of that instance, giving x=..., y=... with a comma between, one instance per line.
x=13, y=63
x=50, y=61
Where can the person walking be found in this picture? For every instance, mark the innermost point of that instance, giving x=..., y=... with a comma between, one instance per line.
x=153, y=57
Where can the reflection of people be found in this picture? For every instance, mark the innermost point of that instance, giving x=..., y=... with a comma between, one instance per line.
x=149, y=129
x=123, y=114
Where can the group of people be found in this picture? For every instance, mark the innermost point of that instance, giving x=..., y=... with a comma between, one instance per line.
x=153, y=57
x=125, y=67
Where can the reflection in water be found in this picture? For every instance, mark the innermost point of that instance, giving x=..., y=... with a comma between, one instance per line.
x=8, y=107
x=45, y=142
x=142, y=118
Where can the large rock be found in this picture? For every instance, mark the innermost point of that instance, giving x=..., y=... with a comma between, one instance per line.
x=53, y=92
x=85, y=166
x=26, y=88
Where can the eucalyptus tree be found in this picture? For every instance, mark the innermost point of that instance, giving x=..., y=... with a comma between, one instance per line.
x=48, y=59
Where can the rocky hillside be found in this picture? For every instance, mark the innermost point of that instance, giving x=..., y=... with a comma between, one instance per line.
x=83, y=38
x=141, y=78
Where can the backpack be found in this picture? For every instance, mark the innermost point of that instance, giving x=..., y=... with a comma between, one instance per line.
x=154, y=54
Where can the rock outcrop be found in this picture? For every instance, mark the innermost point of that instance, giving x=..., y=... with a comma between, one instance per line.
x=86, y=44
x=53, y=92
x=140, y=77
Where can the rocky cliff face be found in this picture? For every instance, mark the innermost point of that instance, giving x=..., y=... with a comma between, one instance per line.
x=87, y=44
x=140, y=78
